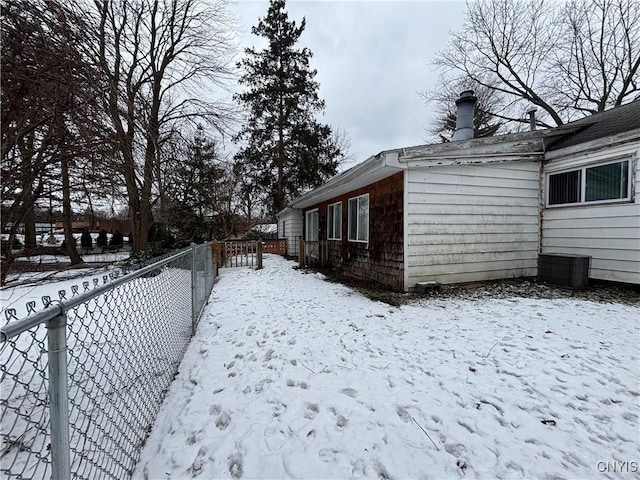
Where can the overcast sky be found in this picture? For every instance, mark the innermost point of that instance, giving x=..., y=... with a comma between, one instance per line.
x=372, y=58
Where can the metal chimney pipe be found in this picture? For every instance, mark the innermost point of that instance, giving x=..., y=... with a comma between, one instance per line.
x=532, y=118
x=464, y=119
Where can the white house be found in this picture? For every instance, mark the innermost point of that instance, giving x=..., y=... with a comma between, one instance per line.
x=483, y=209
x=590, y=195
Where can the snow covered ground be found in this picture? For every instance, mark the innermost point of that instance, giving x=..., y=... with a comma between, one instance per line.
x=291, y=376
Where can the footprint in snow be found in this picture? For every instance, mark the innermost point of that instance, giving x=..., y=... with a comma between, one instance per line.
x=259, y=388
x=215, y=409
x=381, y=471
x=456, y=449
x=351, y=392
x=404, y=415
x=235, y=465
x=196, y=467
x=328, y=455
x=223, y=420
x=279, y=409
x=358, y=468
x=311, y=410
x=341, y=422
x=293, y=383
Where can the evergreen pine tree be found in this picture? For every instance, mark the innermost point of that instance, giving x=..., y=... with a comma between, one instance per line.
x=282, y=143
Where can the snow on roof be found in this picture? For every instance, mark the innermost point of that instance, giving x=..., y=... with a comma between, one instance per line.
x=266, y=228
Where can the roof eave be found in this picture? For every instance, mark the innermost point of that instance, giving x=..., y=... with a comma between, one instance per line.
x=595, y=145
x=371, y=170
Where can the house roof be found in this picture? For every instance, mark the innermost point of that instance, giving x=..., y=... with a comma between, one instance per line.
x=513, y=146
x=370, y=171
x=527, y=146
x=600, y=125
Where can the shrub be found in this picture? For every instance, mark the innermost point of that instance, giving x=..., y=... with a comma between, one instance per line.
x=117, y=239
x=86, y=241
x=101, y=241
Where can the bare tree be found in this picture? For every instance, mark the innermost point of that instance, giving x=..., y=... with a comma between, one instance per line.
x=159, y=59
x=47, y=91
x=569, y=59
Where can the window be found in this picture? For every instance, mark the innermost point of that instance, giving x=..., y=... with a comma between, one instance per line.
x=311, y=227
x=284, y=230
x=334, y=221
x=359, y=218
x=606, y=182
x=599, y=183
x=564, y=188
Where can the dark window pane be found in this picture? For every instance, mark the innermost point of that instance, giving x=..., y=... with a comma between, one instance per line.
x=606, y=182
x=330, y=222
x=353, y=218
x=564, y=188
x=363, y=218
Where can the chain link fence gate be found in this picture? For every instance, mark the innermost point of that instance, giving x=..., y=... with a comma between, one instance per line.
x=83, y=380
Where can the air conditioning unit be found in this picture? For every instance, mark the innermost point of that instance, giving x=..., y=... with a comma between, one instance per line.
x=571, y=271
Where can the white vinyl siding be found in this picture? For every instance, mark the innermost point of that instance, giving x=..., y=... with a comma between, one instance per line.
x=609, y=233
x=290, y=227
x=472, y=222
x=359, y=218
x=334, y=221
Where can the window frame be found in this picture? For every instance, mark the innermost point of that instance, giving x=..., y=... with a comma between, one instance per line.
x=306, y=225
x=583, y=184
x=337, y=221
x=349, y=222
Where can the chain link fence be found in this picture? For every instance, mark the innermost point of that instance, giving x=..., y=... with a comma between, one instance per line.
x=83, y=379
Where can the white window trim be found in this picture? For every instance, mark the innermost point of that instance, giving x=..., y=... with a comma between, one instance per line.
x=583, y=183
x=349, y=220
x=329, y=218
x=306, y=225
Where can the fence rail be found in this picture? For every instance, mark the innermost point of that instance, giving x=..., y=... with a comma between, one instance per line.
x=238, y=253
x=83, y=380
x=313, y=253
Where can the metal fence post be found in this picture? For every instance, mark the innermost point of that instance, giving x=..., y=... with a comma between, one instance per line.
x=206, y=265
x=59, y=397
x=194, y=289
x=301, y=255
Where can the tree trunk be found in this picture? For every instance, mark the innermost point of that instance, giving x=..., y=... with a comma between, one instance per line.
x=30, y=229
x=72, y=251
x=7, y=255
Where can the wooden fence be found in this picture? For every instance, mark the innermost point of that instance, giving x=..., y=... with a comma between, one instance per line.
x=313, y=254
x=279, y=247
x=237, y=253
x=246, y=253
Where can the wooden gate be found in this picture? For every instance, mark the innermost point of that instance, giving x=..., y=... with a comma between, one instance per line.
x=237, y=253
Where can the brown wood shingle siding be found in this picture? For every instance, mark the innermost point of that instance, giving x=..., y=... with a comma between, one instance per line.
x=382, y=258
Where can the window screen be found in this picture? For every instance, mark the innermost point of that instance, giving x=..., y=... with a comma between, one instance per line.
x=564, y=188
